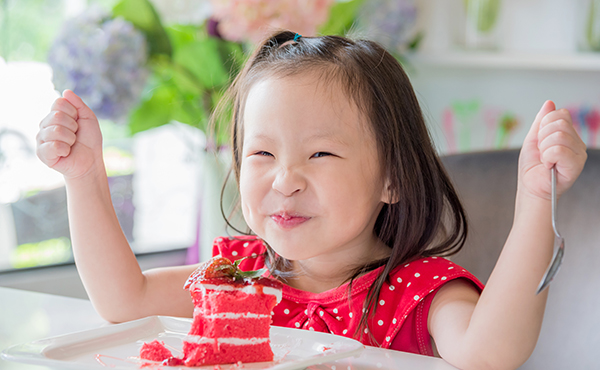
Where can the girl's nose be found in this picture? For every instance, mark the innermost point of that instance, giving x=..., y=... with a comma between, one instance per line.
x=288, y=182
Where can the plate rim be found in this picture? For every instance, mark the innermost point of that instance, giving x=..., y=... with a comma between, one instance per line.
x=33, y=352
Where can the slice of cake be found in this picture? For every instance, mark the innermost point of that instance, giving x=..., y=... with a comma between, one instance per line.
x=232, y=315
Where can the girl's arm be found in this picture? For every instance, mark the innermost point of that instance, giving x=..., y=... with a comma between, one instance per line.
x=70, y=142
x=500, y=328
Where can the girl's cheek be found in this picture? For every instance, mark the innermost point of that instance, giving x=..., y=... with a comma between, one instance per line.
x=249, y=196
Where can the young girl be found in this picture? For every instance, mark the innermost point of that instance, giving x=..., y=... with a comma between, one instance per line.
x=349, y=205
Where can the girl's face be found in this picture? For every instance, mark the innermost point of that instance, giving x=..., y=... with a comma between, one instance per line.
x=309, y=180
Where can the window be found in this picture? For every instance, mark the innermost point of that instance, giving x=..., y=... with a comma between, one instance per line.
x=154, y=177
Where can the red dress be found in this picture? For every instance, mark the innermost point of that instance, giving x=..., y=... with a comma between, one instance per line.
x=400, y=320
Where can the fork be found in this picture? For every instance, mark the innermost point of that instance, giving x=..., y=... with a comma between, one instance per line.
x=558, y=240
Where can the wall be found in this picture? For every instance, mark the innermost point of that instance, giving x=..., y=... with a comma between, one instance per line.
x=465, y=93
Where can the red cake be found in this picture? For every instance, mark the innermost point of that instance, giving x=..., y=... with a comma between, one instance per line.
x=232, y=316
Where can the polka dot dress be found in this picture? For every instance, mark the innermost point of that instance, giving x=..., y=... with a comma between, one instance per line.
x=400, y=320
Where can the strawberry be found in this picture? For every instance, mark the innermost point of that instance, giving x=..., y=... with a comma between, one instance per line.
x=222, y=268
x=218, y=267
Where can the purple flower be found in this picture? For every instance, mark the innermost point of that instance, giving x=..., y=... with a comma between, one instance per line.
x=102, y=60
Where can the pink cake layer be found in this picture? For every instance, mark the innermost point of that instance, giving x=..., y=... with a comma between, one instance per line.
x=211, y=353
x=213, y=301
x=231, y=328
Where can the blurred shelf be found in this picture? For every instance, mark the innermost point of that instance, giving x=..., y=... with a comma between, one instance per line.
x=585, y=62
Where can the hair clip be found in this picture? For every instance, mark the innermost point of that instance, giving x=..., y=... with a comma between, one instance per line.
x=297, y=37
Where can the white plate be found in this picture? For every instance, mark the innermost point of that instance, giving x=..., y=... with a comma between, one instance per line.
x=118, y=346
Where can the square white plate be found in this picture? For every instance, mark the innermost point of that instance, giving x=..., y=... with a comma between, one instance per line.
x=118, y=346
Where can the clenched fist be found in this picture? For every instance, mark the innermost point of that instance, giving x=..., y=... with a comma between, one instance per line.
x=69, y=139
x=551, y=141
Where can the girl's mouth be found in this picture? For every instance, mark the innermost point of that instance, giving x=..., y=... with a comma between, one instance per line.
x=287, y=220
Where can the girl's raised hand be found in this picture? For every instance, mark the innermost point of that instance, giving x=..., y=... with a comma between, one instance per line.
x=69, y=139
x=551, y=141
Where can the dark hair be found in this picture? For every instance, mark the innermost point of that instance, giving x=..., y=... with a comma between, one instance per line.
x=426, y=217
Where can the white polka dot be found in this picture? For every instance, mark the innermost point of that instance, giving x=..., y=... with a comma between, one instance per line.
x=387, y=339
x=311, y=329
x=407, y=265
x=380, y=322
x=219, y=240
x=434, y=258
x=272, y=313
x=333, y=367
x=407, y=285
x=436, y=276
x=444, y=278
x=349, y=367
x=382, y=302
x=306, y=312
x=297, y=324
x=338, y=318
x=246, y=244
x=366, y=331
x=416, y=298
x=364, y=310
x=345, y=331
x=417, y=274
x=234, y=253
x=399, y=280
x=392, y=287
x=254, y=255
x=350, y=314
x=394, y=321
x=286, y=311
x=335, y=310
x=450, y=268
x=321, y=313
x=425, y=261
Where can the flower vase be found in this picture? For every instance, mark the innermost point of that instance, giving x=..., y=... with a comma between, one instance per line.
x=590, y=19
x=211, y=223
x=481, y=24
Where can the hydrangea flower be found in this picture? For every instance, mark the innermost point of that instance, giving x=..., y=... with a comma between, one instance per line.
x=102, y=60
x=392, y=23
x=252, y=20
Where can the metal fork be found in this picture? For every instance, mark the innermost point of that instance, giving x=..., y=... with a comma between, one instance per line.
x=558, y=240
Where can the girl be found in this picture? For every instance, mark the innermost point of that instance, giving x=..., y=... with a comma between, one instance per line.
x=349, y=205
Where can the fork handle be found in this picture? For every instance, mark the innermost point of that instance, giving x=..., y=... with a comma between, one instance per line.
x=554, y=202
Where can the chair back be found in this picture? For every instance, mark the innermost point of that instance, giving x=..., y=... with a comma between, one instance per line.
x=487, y=183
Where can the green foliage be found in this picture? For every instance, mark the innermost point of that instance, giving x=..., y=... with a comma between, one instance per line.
x=187, y=86
x=155, y=110
x=341, y=17
x=144, y=17
x=191, y=69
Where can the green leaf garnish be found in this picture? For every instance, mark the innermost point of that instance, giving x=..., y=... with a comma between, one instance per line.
x=252, y=274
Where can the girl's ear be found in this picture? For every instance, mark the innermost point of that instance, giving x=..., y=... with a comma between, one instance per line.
x=388, y=196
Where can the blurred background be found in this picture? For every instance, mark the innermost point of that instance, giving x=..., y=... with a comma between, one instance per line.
x=154, y=71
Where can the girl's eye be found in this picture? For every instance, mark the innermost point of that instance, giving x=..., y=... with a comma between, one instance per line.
x=321, y=154
x=264, y=154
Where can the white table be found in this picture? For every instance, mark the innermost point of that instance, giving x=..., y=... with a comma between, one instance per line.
x=27, y=316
